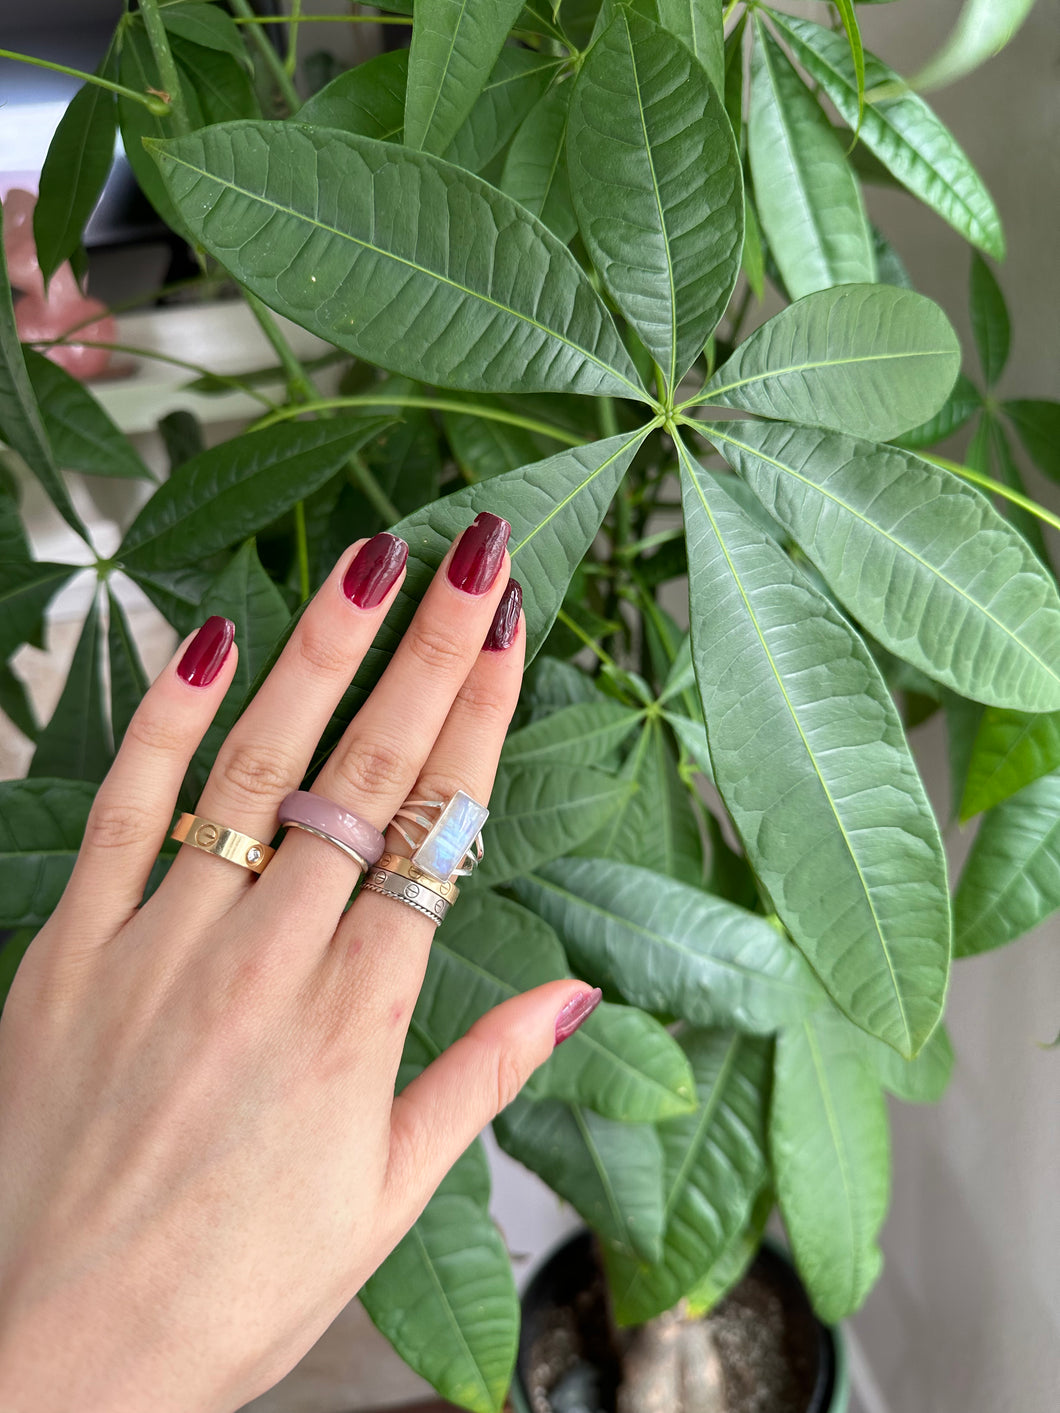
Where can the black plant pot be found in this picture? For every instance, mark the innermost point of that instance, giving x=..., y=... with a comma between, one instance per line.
x=569, y=1360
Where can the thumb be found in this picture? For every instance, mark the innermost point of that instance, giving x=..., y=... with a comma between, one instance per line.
x=444, y=1108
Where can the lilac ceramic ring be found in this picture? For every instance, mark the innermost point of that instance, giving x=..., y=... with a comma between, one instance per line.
x=317, y=815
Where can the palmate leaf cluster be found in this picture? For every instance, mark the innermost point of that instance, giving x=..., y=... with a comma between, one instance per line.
x=524, y=233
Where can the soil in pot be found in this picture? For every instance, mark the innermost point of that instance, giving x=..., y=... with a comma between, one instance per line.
x=761, y=1350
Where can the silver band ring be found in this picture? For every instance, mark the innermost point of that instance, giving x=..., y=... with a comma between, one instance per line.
x=362, y=864
x=405, y=890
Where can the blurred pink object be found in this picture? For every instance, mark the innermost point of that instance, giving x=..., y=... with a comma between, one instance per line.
x=39, y=317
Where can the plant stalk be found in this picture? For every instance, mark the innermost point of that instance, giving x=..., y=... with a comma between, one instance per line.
x=301, y=539
x=269, y=56
x=158, y=106
x=431, y=404
x=167, y=65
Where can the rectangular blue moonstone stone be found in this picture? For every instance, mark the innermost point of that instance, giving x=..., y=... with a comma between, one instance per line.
x=443, y=850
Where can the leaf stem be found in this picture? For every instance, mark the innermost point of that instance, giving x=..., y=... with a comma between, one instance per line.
x=995, y=487
x=272, y=61
x=579, y=632
x=299, y=387
x=432, y=404
x=297, y=19
x=236, y=384
x=158, y=106
x=290, y=64
x=167, y=65
x=301, y=537
x=373, y=491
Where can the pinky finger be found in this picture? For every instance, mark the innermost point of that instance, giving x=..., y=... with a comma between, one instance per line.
x=133, y=810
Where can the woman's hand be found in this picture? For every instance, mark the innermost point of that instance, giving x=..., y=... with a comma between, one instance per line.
x=202, y=1157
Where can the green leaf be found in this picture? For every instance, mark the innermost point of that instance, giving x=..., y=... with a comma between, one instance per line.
x=830, y=1146
x=15, y=703
x=1011, y=880
x=232, y=490
x=469, y=1176
x=811, y=762
x=919, y=557
x=714, y=1165
x=697, y=24
x=12, y=949
x=244, y=593
x=20, y=423
x=655, y=825
x=730, y=1267
x=177, y=593
x=959, y=408
x=26, y=589
x=181, y=433
x=868, y=360
x=14, y=546
x=454, y=46
x=446, y=1300
x=474, y=294
x=902, y=132
x=990, y=322
x=77, y=165
x=807, y=197
x=611, y=1173
x=555, y=508
x=754, y=258
x=962, y=725
x=538, y=812
x=1012, y=748
x=368, y=99
x=82, y=435
x=657, y=188
x=518, y=80
x=206, y=25
x=41, y=826
x=535, y=169
x=1006, y=469
x=75, y=744
x=920, y=1081
x=485, y=448
x=139, y=71
x=620, y=1062
x=1037, y=423
x=584, y=734
x=984, y=28
x=128, y=680
x=670, y=948
x=221, y=86
x=857, y=53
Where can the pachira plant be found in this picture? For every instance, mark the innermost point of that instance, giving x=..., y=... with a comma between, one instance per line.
x=535, y=236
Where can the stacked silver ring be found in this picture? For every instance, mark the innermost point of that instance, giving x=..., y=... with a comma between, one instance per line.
x=424, y=899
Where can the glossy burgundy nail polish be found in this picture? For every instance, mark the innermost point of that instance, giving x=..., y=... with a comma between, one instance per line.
x=374, y=569
x=206, y=653
x=577, y=1010
x=505, y=623
x=478, y=557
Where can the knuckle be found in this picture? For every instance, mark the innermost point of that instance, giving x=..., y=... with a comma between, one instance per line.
x=114, y=825
x=256, y=772
x=372, y=768
x=436, y=650
x=483, y=701
x=509, y=1077
x=318, y=650
x=157, y=733
x=438, y=785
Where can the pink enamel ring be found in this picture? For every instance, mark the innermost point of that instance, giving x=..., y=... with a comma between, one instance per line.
x=317, y=815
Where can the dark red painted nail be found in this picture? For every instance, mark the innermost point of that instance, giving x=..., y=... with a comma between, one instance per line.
x=505, y=623
x=478, y=557
x=579, y=1009
x=374, y=570
x=206, y=653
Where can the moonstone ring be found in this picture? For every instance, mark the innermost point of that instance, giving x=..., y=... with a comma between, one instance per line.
x=451, y=843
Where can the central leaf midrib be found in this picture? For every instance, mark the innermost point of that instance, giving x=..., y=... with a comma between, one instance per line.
x=710, y=1107
x=836, y=1134
x=451, y=1313
x=708, y=394
x=806, y=745
x=408, y=264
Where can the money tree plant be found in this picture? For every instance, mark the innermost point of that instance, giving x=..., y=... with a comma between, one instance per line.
x=533, y=238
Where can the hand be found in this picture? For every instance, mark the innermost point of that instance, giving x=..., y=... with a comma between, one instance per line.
x=202, y=1155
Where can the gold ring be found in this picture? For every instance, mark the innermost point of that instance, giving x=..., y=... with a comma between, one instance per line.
x=221, y=841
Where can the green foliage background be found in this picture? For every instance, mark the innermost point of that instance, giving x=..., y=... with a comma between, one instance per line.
x=533, y=238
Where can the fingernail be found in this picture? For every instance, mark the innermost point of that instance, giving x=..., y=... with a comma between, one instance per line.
x=374, y=569
x=505, y=623
x=478, y=557
x=206, y=652
x=577, y=1010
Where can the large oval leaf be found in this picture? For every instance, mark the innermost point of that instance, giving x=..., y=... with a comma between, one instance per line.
x=82, y=435
x=830, y=1146
x=535, y=169
x=920, y=558
x=473, y=293
x=453, y=48
x=611, y=1173
x=27, y=586
x=807, y=197
x=902, y=131
x=446, y=1300
x=232, y=490
x=1012, y=748
x=80, y=156
x=671, y=948
x=657, y=187
x=984, y=27
x=990, y=320
x=869, y=360
x=714, y=1165
x=809, y=756
x=75, y=744
x=697, y=24
x=584, y=733
x=42, y=823
x=1011, y=880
